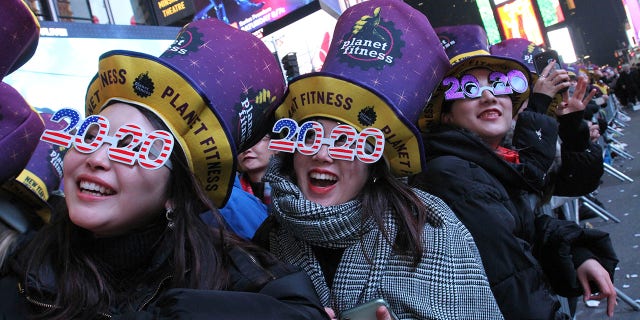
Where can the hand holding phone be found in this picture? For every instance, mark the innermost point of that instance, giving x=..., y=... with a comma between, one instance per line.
x=542, y=60
x=367, y=311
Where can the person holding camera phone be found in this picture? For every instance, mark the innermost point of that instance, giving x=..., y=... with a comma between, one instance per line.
x=488, y=185
x=576, y=153
x=339, y=208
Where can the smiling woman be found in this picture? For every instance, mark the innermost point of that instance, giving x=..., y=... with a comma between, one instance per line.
x=340, y=209
x=108, y=198
x=489, y=115
x=488, y=185
x=326, y=181
x=128, y=241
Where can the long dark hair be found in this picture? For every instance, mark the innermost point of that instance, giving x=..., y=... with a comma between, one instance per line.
x=387, y=192
x=83, y=290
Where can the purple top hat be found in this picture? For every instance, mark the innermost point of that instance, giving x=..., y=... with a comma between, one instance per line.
x=20, y=33
x=215, y=88
x=519, y=49
x=467, y=47
x=20, y=130
x=41, y=176
x=383, y=63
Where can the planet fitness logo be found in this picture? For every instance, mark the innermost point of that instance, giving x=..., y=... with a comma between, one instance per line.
x=529, y=52
x=372, y=42
x=248, y=112
x=189, y=40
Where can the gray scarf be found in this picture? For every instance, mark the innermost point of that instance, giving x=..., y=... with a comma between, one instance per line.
x=448, y=283
x=337, y=226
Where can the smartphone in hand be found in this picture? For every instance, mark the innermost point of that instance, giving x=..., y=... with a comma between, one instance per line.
x=542, y=60
x=366, y=311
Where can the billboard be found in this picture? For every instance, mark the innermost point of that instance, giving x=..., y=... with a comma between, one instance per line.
x=170, y=11
x=309, y=44
x=66, y=59
x=518, y=20
x=551, y=12
x=247, y=15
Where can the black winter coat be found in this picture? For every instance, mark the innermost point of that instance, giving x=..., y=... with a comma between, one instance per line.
x=490, y=196
x=581, y=160
x=258, y=291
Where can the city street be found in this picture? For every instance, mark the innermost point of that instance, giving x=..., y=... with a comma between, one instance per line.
x=622, y=199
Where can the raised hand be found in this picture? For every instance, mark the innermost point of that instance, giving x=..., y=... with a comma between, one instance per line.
x=551, y=80
x=577, y=101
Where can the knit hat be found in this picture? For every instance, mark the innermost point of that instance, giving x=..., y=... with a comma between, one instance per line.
x=467, y=47
x=42, y=174
x=20, y=33
x=20, y=129
x=215, y=88
x=383, y=63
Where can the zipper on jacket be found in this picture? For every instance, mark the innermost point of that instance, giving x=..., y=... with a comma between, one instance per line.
x=255, y=261
x=47, y=305
x=33, y=301
x=155, y=292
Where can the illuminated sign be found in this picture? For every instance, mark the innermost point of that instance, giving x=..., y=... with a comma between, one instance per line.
x=247, y=15
x=518, y=20
x=550, y=11
x=170, y=11
x=67, y=56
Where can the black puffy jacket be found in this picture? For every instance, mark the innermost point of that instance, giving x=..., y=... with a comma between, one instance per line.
x=490, y=196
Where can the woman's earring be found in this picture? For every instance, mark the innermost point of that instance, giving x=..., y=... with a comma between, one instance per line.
x=375, y=179
x=169, y=215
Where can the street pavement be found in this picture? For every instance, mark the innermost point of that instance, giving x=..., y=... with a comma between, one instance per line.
x=622, y=199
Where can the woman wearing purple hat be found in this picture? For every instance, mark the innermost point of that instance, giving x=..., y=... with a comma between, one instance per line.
x=340, y=209
x=488, y=186
x=158, y=148
x=578, y=167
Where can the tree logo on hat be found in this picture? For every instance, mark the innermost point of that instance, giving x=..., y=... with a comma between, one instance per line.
x=372, y=42
x=143, y=85
x=189, y=40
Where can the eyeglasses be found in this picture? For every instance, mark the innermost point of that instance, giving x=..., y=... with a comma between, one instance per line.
x=468, y=86
x=129, y=144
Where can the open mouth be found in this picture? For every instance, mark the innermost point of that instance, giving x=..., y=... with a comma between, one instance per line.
x=318, y=179
x=490, y=114
x=95, y=189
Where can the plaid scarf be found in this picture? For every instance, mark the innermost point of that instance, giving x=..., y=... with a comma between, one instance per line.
x=448, y=283
x=331, y=227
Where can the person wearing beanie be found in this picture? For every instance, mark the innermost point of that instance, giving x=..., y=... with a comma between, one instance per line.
x=526, y=256
x=341, y=209
x=156, y=149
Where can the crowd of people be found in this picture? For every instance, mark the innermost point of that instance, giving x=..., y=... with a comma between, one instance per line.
x=409, y=178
